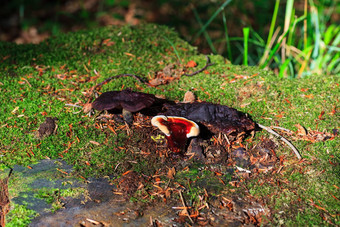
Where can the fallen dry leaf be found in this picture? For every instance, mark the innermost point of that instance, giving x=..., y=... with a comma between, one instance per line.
x=279, y=116
x=167, y=193
x=310, y=96
x=108, y=42
x=171, y=173
x=191, y=64
x=61, y=76
x=129, y=54
x=94, y=142
x=333, y=111
x=157, y=81
x=321, y=114
x=87, y=107
x=189, y=96
x=311, y=135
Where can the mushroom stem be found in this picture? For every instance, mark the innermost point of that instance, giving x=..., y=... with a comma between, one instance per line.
x=128, y=117
x=177, y=142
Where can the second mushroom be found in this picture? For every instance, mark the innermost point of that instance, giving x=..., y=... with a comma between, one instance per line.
x=126, y=100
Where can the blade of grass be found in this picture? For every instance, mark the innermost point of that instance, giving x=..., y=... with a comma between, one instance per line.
x=329, y=34
x=283, y=67
x=329, y=54
x=257, y=36
x=273, y=22
x=239, y=58
x=334, y=66
x=227, y=37
x=333, y=48
x=336, y=40
x=291, y=32
x=252, y=41
x=274, y=50
x=288, y=14
x=21, y=12
x=206, y=35
x=277, y=45
x=290, y=43
x=268, y=48
x=305, y=10
x=245, y=45
x=204, y=27
x=173, y=46
x=307, y=53
x=276, y=59
x=315, y=21
x=271, y=32
x=291, y=70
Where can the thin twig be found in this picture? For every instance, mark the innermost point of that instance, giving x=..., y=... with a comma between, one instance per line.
x=283, y=129
x=282, y=138
x=226, y=137
x=73, y=105
x=92, y=90
x=167, y=185
x=10, y=169
x=27, y=81
x=185, y=206
x=10, y=172
x=119, y=76
x=202, y=69
x=141, y=80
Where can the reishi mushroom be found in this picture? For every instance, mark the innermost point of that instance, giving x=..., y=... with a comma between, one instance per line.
x=126, y=100
x=216, y=118
x=177, y=130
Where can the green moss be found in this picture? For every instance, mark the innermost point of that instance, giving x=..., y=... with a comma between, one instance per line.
x=53, y=196
x=19, y=216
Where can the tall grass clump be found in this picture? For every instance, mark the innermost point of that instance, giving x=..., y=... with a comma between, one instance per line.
x=298, y=44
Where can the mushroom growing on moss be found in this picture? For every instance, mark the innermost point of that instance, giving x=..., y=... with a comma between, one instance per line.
x=128, y=101
x=216, y=118
x=177, y=130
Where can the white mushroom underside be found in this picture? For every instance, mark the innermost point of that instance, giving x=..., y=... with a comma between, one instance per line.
x=155, y=121
x=194, y=131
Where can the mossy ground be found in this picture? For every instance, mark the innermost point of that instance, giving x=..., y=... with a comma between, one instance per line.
x=38, y=80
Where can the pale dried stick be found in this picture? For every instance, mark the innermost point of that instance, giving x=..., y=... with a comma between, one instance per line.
x=271, y=131
x=185, y=207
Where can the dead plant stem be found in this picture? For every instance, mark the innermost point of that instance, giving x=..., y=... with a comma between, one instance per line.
x=185, y=206
x=271, y=131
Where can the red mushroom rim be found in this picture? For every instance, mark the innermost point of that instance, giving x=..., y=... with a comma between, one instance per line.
x=162, y=122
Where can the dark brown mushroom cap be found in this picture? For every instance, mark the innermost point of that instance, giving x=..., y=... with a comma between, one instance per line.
x=217, y=118
x=129, y=100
